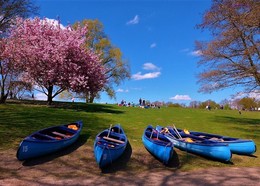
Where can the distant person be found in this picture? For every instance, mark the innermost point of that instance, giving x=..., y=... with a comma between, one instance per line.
x=143, y=102
x=72, y=99
x=140, y=102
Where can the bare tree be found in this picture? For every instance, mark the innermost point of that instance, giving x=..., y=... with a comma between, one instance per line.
x=232, y=56
x=9, y=9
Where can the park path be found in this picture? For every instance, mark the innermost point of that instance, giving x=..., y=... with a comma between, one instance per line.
x=79, y=168
x=213, y=176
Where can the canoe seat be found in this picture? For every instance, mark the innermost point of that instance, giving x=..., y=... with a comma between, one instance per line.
x=114, y=140
x=59, y=134
x=216, y=139
x=39, y=135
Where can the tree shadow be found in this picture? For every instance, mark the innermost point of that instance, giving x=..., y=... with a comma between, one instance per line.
x=77, y=106
x=49, y=157
x=120, y=163
x=242, y=124
x=87, y=107
x=241, y=121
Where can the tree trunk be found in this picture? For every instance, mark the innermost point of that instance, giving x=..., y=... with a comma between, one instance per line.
x=3, y=97
x=90, y=97
x=49, y=101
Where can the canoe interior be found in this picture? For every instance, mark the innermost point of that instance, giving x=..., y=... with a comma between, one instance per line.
x=188, y=138
x=113, y=138
x=156, y=137
x=56, y=133
x=213, y=136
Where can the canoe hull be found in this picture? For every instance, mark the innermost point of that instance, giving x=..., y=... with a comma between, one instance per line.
x=236, y=145
x=106, y=152
x=162, y=151
x=104, y=155
x=206, y=148
x=31, y=147
x=214, y=151
x=243, y=148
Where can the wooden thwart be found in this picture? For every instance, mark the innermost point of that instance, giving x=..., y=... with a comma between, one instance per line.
x=114, y=140
x=59, y=134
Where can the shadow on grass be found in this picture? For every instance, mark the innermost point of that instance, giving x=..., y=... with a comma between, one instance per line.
x=242, y=124
x=120, y=163
x=46, y=158
x=237, y=120
x=85, y=107
x=187, y=158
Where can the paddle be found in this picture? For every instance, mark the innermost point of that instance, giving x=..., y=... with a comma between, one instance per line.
x=176, y=131
x=151, y=134
x=109, y=130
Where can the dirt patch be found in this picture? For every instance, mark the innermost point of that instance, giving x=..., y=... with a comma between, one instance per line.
x=76, y=166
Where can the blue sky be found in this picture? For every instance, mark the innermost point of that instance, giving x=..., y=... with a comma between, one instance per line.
x=157, y=39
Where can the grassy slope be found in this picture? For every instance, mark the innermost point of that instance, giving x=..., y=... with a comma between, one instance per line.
x=19, y=120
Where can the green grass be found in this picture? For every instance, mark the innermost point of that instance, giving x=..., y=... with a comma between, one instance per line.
x=19, y=119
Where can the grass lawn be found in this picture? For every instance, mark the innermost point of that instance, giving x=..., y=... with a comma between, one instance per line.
x=19, y=119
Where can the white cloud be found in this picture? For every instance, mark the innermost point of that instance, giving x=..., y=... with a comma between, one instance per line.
x=150, y=66
x=196, y=53
x=54, y=22
x=40, y=96
x=133, y=21
x=140, y=76
x=122, y=90
x=181, y=97
x=153, y=45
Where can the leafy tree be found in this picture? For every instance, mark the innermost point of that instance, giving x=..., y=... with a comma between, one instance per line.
x=117, y=69
x=9, y=10
x=247, y=103
x=210, y=103
x=53, y=58
x=232, y=56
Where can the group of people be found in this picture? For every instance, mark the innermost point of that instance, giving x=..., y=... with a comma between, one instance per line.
x=142, y=104
x=124, y=103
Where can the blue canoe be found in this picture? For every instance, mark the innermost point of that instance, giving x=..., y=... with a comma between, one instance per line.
x=48, y=140
x=109, y=145
x=196, y=145
x=157, y=144
x=236, y=145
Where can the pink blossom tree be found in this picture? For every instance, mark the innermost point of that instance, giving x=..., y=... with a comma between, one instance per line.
x=53, y=57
